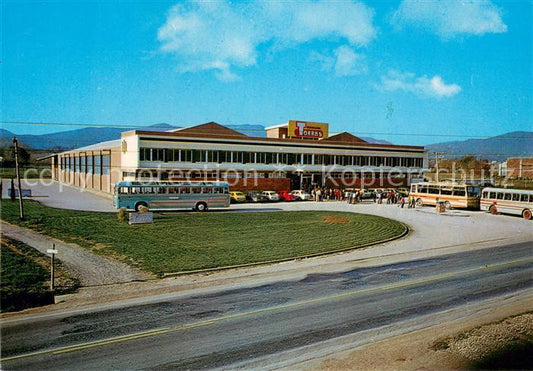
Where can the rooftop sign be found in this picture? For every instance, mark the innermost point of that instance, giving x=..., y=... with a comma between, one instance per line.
x=307, y=130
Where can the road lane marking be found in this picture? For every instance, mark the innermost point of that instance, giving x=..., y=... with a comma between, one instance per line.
x=160, y=331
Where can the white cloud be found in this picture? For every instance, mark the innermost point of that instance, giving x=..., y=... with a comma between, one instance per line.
x=220, y=36
x=449, y=18
x=431, y=87
x=344, y=61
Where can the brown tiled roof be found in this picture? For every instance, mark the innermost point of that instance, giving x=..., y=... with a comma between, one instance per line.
x=211, y=129
x=346, y=138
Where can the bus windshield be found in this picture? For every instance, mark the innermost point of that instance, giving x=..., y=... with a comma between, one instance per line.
x=473, y=191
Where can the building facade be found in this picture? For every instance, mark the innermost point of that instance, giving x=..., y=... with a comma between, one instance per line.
x=213, y=152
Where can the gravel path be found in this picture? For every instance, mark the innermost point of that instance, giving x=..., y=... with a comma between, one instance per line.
x=90, y=269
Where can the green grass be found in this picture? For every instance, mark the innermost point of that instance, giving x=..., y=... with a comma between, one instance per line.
x=24, y=281
x=188, y=241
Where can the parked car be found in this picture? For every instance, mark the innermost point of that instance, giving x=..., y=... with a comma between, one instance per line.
x=404, y=192
x=302, y=195
x=236, y=197
x=287, y=196
x=255, y=196
x=271, y=196
x=367, y=195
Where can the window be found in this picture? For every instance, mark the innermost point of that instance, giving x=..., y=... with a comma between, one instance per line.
x=106, y=164
x=508, y=197
x=184, y=190
x=196, y=190
x=98, y=164
x=524, y=198
x=516, y=197
x=433, y=190
x=83, y=164
x=446, y=191
x=123, y=190
x=89, y=164
x=459, y=191
x=492, y=195
x=499, y=196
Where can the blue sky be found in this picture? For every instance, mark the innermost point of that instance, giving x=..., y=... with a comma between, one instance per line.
x=441, y=71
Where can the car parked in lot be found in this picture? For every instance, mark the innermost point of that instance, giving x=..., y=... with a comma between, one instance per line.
x=367, y=195
x=302, y=195
x=271, y=196
x=255, y=196
x=237, y=196
x=287, y=196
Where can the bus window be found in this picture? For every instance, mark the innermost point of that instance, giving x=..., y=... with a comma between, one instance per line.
x=123, y=190
x=508, y=196
x=147, y=190
x=172, y=190
x=499, y=196
x=216, y=190
x=185, y=190
x=135, y=190
x=492, y=195
x=196, y=190
x=161, y=190
x=433, y=190
x=207, y=190
x=423, y=189
x=473, y=191
x=524, y=198
x=413, y=188
x=459, y=191
x=446, y=191
x=516, y=197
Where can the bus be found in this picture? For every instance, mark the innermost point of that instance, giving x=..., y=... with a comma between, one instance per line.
x=166, y=196
x=453, y=195
x=507, y=201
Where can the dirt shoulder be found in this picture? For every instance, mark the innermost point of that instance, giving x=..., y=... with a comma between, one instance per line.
x=455, y=345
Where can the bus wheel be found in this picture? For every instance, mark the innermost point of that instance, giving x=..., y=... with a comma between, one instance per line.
x=526, y=214
x=419, y=202
x=493, y=210
x=138, y=205
x=201, y=206
x=447, y=205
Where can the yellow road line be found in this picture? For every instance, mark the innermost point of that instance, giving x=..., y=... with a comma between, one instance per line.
x=165, y=330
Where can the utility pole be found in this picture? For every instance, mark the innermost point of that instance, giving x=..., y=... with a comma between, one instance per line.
x=437, y=154
x=21, y=206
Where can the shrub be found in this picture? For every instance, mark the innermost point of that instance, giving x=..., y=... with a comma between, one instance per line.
x=122, y=215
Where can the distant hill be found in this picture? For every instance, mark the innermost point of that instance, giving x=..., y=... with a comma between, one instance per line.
x=498, y=148
x=66, y=140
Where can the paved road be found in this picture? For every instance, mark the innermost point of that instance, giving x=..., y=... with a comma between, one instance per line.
x=225, y=328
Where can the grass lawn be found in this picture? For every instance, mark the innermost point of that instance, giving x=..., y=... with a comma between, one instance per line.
x=184, y=241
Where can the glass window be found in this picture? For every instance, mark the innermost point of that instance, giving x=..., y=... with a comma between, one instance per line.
x=89, y=164
x=516, y=197
x=508, y=196
x=459, y=191
x=196, y=190
x=499, y=196
x=433, y=190
x=184, y=190
x=106, y=164
x=524, y=198
x=98, y=164
x=492, y=195
x=446, y=191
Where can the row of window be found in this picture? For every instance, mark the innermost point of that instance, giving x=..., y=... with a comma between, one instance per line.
x=171, y=190
x=191, y=155
x=445, y=190
x=508, y=196
x=93, y=164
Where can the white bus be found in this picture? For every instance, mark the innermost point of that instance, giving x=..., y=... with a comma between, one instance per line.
x=457, y=195
x=507, y=201
x=164, y=196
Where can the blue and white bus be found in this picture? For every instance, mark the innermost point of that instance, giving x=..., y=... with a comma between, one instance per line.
x=166, y=196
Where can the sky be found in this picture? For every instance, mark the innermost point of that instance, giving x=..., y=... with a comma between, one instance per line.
x=409, y=71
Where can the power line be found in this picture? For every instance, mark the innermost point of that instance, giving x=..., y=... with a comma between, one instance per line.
x=134, y=127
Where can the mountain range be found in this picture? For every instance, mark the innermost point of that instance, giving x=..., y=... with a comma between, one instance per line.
x=66, y=140
x=498, y=148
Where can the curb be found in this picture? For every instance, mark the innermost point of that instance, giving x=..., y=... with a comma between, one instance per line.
x=301, y=257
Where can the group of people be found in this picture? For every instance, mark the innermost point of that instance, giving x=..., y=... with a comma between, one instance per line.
x=327, y=194
x=355, y=196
